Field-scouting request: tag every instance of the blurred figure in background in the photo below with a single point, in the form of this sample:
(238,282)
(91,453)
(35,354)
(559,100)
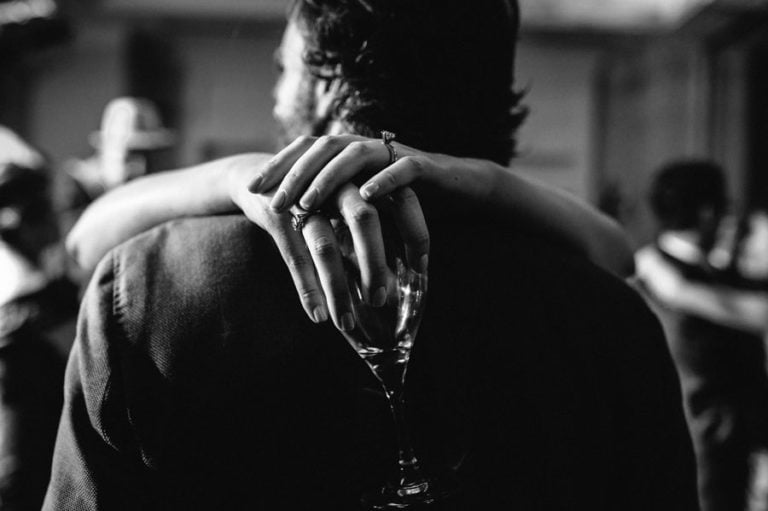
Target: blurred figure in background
(132,142)
(37,309)
(131,139)
(703,274)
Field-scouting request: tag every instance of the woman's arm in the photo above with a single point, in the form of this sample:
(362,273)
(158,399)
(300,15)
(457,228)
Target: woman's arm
(151,200)
(207,189)
(310,253)
(546,209)
(562,215)
(310,169)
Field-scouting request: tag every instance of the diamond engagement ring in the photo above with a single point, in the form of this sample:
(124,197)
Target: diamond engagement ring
(387,137)
(299,220)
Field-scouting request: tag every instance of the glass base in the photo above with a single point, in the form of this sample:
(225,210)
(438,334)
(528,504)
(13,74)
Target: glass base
(426,494)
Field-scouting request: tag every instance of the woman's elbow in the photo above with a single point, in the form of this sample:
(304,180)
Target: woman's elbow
(78,250)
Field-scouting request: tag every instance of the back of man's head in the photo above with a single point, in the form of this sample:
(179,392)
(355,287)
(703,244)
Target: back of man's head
(439,73)
(683,191)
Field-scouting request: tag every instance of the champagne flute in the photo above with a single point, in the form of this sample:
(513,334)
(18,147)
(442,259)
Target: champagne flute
(384,337)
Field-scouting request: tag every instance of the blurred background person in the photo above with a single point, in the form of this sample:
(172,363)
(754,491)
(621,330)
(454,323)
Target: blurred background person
(699,273)
(37,309)
(129,144)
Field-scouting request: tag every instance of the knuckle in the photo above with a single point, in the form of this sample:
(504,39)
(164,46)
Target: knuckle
(271,164)
(324,247)
(362,214)
(379,271)
(297,262)
(415,163)
(277,228)
(327,141)
(405,197)
(358,148)
(407,194)
(419,240)
(389,177)
(308,296)
(305,139)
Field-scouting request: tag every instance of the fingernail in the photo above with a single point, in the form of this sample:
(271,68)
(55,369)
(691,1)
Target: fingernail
(423,263)
(278,201)
(369,190)
(308,201)
(347,322)
(256,184)
(320,314)
(380,297)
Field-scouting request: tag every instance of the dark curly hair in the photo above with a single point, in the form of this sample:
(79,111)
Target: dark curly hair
(439,73)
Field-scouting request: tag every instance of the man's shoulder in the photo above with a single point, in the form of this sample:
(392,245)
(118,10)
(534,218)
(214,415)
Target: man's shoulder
(193,272)
(193,251)
(186,237)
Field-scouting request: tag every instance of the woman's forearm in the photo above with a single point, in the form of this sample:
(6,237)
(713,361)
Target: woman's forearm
(542,207)
(474,182)
(565,217)
(152,200)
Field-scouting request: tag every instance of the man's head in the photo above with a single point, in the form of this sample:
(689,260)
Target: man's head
(131,140)
(439,73)
(688,195)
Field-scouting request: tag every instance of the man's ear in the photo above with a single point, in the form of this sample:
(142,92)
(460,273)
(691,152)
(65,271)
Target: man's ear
(326,91)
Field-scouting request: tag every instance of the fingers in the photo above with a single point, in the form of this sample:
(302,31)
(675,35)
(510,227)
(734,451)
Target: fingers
(354,158)
(321,242)
(305,168)
(276,169)
(300,264)
(362,219)
(403,172)
(409,220)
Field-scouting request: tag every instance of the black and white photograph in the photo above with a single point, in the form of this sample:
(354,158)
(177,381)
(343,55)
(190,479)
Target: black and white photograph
(357,255)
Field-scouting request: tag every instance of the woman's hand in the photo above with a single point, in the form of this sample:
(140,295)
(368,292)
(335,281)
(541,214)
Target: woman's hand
(310,169)
(312,254)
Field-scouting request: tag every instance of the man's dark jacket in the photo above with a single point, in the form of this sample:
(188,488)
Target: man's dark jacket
(197,382)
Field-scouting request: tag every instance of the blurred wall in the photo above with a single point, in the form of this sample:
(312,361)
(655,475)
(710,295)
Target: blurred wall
(654,108)
(556,142)
(71,86)
(225,86)
(227,97)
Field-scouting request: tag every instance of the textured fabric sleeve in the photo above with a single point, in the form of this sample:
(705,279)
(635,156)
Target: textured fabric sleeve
(94,464)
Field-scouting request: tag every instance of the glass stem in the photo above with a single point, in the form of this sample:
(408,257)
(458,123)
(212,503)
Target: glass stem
(410,473)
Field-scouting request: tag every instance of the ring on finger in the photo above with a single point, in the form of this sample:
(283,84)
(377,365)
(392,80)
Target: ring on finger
(387,137)
(299,220)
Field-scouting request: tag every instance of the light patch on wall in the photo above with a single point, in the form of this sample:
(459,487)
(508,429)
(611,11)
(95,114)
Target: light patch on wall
(22,11)
(606,14)
(241,9)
